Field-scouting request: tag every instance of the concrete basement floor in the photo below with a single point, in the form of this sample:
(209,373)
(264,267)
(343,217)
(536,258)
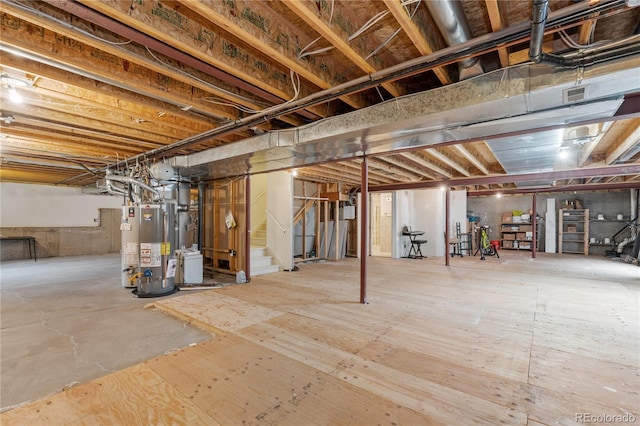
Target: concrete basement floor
(67,320)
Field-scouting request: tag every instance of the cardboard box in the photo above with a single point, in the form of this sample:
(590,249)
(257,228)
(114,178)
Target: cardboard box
(525,245)
(507,244)
(525,217)
(572,228)
(521,236)
(516,219)
(528,236)
(526,228)
(509,236)
(507,218)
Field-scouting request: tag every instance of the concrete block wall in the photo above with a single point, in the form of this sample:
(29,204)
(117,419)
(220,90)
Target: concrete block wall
(66,241)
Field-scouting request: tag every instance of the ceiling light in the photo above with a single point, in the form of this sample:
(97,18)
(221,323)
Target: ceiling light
(294,173)
(563,152)
(14,96)
(12,81)
(498,195)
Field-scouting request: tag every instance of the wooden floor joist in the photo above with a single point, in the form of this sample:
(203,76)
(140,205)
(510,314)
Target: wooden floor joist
(514,341)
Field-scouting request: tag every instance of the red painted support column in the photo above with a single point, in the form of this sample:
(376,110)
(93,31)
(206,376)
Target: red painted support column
(364,230)
(447,212)
(247,234)
(534,224)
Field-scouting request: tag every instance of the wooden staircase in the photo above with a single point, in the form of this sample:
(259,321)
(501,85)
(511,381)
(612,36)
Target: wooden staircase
(261,262)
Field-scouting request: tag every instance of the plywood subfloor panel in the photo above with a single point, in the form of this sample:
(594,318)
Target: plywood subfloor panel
(511,341)
(134,396)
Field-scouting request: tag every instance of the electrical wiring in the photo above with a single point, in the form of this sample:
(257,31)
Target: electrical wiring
(295,81)
(370,23)
(218,101)
(216,88)
(388,40)
(570,43)
(304,52)
(377,49)
(169,66)
(113,43)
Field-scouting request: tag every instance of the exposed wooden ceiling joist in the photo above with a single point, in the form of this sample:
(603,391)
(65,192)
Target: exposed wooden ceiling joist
(495,17)
(417,38)
(114,79)
(310,17)
(629,139)
(472,158)
(176,30)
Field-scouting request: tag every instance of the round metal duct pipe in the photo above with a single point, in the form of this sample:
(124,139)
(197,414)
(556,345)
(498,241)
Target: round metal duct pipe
(452,23)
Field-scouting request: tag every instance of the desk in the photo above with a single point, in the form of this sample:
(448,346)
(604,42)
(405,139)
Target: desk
(29,240)
(415,244)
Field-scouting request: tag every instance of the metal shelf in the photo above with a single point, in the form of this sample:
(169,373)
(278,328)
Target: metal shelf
(579,220)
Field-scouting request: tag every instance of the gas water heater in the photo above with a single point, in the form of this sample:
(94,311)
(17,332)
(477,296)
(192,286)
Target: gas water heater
(155,223)
(156,262)
(129,249)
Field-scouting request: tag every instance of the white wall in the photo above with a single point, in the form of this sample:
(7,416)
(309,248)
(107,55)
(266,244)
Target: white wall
(26,205)
(280,208)
(258,200)
(403,216)
(424,210)
(429,205)
(458,212)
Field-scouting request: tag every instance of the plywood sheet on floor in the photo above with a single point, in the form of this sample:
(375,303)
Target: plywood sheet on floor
(134,396)
(484,342)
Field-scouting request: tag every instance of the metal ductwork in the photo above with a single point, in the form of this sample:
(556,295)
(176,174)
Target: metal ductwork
(258,149)
(496,104)
(452,23)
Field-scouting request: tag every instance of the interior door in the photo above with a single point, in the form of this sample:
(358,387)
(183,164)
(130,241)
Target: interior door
(380,223)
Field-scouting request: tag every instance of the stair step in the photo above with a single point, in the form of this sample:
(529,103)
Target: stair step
(257,251)
(257,241)
(260,261)
(264,270)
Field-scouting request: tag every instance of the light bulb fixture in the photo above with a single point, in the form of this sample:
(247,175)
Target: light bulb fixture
(7,119)
(14,96)
(499,195)
(294,173)
(11,82)
(563,152)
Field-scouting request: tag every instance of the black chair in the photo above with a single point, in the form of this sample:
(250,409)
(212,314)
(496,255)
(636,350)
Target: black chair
(414,251)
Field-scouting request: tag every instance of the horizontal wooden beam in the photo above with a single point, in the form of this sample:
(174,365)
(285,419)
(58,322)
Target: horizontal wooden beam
(177,30)
(82,59)
(621,170)
(310,17)
(257,26)
(78,86)
(419,40)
